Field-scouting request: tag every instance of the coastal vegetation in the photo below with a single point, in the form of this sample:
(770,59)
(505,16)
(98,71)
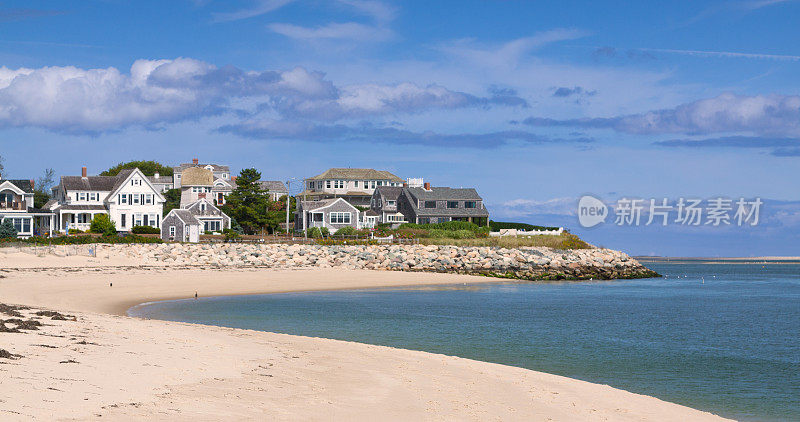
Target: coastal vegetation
(83,239)
(498,225)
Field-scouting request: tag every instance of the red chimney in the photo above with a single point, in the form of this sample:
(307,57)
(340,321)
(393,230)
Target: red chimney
(195,161)
(33,184)
(83,171)
(427,186)
(201,195)
(405,185)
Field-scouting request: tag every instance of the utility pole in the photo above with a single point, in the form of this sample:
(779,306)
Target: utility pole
(288,199)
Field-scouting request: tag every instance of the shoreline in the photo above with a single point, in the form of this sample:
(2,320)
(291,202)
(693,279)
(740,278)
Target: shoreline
(287,377)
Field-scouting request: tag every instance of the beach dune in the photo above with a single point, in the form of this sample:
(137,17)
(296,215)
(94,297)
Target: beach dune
(105,365)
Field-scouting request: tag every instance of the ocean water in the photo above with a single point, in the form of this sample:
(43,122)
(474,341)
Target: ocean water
(718,337)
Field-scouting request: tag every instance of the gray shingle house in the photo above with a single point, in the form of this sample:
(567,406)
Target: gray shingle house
(333,213)
(384,205)
(275,189)
(430,205)
(188,223)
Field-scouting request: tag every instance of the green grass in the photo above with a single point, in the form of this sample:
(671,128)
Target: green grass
(563,241)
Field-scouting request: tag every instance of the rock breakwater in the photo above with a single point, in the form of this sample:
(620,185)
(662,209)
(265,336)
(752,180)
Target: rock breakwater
(522,264)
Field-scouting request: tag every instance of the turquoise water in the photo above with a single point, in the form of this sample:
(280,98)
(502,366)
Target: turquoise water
(722,338)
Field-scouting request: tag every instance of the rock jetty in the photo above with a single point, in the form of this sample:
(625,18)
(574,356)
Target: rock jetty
(521,264)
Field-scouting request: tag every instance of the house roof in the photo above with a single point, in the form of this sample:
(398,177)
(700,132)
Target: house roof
(161,180)
(443,194)
(82,208)
(389,192)
(184,166)
(313,205)
(93,183)
(272,185)
(23,185)
(197,176)
(356,174)
(185,215)
(211,209)
(122,176)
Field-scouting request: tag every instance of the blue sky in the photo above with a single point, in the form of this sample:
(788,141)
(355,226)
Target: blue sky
(533,103)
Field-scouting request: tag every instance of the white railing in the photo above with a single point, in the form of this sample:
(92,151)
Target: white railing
(524,233)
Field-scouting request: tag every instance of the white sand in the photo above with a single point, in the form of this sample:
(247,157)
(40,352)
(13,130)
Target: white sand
(144,369)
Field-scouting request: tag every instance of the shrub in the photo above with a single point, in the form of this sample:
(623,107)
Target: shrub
(346,231)
(497,225)
(7,230)
(313,232)
(76,231)
(438,234)
(447,225)
(462,234)
(324,231)
(145,230)
(101,223)
(230,234)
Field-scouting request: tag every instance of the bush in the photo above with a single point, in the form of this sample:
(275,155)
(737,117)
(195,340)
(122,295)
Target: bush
(101,223)
(230,234)
(324,231)
(7,230)
(313,233)
(462,234)
(76,231)
(497,225)
(448,225)
(346,231)
(87,239)
(145,230)
(438,234)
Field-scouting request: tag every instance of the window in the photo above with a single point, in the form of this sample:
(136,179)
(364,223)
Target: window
(203,207)
(136,182)
(179,176)
(137,219)
(211,225)
(84,218)
(470,204)
(225,176)
(21,225)
(340,218)
(356,183)
(338,184)
(122,220)
(366,184)
(424,221)
(148,199)
(82,196)
(430,204)
(380,182)
(136,201)
(391,203)
(153,220)
(172,231)
(327,184)
(394,218)
(452,204)
(372,184)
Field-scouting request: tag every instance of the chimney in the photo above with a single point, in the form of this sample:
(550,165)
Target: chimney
(83,171)
(427,186)
(156,175)
(195,161)
(33,184)
(201,195)
(405,185)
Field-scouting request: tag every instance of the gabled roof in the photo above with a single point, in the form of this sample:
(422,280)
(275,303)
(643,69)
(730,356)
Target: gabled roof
(389,192)
(444,194)
(356,174)
(211,209)
(93,183)
(197,176)
(184,215)
(322,203)
(23,185)
(122,179)
(160,180)
(184,166)
(272,185)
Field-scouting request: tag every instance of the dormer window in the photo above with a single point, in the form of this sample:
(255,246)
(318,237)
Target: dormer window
(225,176)
(203,206)
(391,203)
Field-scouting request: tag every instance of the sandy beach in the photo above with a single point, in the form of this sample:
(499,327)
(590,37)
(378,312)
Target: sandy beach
(104,364)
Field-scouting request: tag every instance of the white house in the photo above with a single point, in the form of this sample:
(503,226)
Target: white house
(333,213)
(129,198)
(353,184)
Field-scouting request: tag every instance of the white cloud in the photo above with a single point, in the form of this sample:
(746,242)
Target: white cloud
(510,53)
(260,8)
(155,92)
(728,113)
(334,31)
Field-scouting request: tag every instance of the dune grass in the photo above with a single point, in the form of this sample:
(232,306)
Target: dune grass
(563,241)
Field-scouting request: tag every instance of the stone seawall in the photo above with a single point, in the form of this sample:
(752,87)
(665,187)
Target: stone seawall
(522,264)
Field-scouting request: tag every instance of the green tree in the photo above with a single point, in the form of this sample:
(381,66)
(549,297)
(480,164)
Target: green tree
(173,197)
(41,193)
(7,230)
(248,202)
(101,223)
(276,216)
(149,168)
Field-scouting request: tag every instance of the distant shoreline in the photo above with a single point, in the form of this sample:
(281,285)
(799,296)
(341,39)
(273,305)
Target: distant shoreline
(712,260)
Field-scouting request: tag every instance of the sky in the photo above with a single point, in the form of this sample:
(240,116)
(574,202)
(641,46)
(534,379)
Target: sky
(535,104)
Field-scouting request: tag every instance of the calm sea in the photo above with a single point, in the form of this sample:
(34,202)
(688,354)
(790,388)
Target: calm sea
(719,337)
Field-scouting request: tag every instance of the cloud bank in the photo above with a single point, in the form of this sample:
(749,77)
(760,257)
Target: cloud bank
(157,92)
